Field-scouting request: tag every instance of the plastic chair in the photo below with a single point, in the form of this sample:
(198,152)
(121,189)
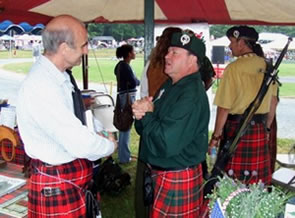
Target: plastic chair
(285,175)
(103,110)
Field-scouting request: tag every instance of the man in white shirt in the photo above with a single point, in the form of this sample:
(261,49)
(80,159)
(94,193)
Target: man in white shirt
(60,146)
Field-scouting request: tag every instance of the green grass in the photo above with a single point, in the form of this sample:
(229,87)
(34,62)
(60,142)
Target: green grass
(99,69)
(287,69)
(287,90)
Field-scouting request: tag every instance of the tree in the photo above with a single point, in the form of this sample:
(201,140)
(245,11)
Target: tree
(118,31)
(220,30)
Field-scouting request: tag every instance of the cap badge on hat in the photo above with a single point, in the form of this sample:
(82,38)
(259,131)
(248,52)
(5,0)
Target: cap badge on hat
(236,34)
(185,39)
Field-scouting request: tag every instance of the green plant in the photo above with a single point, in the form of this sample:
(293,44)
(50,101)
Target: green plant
(254,201)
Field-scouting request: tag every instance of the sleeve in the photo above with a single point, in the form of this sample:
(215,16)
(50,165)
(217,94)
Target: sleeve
(226,93)
(144,88)
(52,116)
(129,76)
(167,136)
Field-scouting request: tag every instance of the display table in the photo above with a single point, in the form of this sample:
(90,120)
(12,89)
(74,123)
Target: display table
(15,203)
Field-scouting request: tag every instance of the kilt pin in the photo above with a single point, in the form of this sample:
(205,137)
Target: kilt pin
(169,185)
(251,160)
(59,188)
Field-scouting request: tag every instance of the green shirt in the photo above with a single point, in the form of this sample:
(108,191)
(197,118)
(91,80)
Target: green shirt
(175,135)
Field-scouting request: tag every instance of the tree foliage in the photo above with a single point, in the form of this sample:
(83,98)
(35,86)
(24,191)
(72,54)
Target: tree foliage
(118,31)
(125,31)
(219,30)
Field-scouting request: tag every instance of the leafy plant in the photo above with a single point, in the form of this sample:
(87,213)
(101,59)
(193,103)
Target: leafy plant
(254,201)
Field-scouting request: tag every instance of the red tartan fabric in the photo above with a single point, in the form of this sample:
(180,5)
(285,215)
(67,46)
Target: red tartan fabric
(19,152)
(20,155)
(71,203)
(177,193)
(251,160)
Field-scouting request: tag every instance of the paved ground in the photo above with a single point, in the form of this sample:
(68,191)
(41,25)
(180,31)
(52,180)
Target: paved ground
(9,83)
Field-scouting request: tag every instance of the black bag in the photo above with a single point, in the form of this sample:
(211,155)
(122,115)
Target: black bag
(123,117)
(148,189)
(92,204)
(110,178)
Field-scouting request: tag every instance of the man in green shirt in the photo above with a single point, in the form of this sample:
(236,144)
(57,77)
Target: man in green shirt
(174,131)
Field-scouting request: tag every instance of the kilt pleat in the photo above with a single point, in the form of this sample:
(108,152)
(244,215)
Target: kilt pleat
(70,179)
(251,160)
(177,193)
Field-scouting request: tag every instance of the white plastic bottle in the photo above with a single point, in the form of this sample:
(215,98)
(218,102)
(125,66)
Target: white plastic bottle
(213,155)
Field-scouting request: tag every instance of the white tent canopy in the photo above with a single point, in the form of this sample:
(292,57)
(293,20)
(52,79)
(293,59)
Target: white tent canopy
(6,37)
(279,44)
(272,36)
(223,41)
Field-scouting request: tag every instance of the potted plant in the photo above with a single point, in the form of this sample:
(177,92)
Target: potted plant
(233,199)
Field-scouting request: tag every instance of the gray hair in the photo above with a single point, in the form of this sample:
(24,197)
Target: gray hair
(53,38)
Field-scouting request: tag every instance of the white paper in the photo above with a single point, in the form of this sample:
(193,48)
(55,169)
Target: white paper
(290,211)
(8,117)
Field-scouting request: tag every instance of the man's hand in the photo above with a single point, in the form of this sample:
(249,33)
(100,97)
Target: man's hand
(140,107)
(110,136)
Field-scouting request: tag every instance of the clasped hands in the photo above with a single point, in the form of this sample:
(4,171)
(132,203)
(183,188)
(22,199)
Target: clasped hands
(142,106)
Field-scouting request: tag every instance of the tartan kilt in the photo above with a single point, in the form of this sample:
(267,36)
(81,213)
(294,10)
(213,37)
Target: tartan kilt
(71,201)
(177,193)
(251,160)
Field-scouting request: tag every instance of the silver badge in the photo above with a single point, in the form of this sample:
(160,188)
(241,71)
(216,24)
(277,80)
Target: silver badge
(236,34)
(185,39)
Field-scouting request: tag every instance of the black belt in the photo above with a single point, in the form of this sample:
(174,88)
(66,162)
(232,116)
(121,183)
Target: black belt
(257,118)
(171,168)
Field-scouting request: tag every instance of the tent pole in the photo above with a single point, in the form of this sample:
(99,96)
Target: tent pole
(85,71)
(85,68)
(149,15)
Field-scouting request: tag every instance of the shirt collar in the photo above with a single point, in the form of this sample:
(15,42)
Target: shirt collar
(252,54)
(60,77)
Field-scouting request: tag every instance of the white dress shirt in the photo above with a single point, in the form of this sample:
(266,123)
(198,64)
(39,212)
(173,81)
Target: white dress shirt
(48,126)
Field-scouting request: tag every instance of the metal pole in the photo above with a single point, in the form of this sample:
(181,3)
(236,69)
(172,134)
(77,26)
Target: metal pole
(85,68)
(149,15)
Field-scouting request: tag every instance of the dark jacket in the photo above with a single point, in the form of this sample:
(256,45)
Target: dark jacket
(126,79)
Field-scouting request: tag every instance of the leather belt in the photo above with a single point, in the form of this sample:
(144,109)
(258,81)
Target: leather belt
(257,118)
(171,168)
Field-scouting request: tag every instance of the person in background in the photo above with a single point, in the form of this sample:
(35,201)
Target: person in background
(154,76)
(173,129)
(61,147)
(239,86)
(207,75)
(126,85)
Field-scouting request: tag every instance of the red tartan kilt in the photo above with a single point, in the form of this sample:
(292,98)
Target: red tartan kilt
(71,202)
(251,160)
(177,193)
(19,152)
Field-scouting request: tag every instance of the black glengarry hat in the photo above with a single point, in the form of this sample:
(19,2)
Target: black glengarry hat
(189,42)
(242,32)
